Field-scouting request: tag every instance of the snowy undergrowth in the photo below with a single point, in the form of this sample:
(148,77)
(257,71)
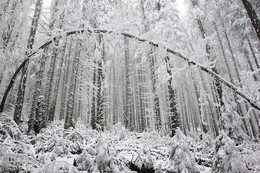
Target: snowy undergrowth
(119,150)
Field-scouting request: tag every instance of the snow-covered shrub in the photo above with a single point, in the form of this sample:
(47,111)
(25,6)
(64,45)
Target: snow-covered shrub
(9,128)
(203,149)
(227,158)
(182,158)
(85,162)
(253,161)
(233,126)
(59,167)
(14,163)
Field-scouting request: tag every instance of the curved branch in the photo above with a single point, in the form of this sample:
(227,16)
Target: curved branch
(103,31)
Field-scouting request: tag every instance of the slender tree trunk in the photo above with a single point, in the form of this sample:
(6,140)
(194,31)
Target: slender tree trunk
(10,26)
(70,101)
(128,112)
(100,91)
(156,103)
(253,17)
(253,53)
(56,87)
(174,124)
(65,83)
(37,92)
(21,90)
(93,107)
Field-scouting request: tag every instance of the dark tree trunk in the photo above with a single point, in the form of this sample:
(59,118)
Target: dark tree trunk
(175,123)
(21,91)
(70,101)
(156,103)
(93,107)
(65,84)
(253,17)
(37,91)
(57,84)
(128,112)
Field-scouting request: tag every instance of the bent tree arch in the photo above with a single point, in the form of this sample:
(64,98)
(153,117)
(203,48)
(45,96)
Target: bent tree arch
(237,90)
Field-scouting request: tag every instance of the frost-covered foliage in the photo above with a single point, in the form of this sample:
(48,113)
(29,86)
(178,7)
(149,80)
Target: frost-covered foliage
(234,127)
(55,149)
(227,157)
(183,159)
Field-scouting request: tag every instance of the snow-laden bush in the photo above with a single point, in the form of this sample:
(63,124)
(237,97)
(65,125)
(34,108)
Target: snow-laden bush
(85,162)
(182,158)
(253,161)
(233,126)
(59,167)
(227,158)
(8,128)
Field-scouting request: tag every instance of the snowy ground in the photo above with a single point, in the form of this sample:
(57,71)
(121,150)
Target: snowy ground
(119,150)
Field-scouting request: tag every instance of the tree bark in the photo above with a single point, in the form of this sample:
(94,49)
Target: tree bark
(128,112)
(21,91)
(70,101)
(253,17)
(57,84)
(175,123)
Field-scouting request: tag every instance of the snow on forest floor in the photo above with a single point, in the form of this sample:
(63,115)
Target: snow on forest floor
(118,150)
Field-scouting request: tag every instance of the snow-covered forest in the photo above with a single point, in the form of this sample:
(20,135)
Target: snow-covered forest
(130,86)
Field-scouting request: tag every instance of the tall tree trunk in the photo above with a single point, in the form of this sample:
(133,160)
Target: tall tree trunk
(10,26)
(175,123)
(65,82)
(156,103)
(128,112)
(37,92)
(70,101)
(56,87)
(21,90)
(100,86)
(93,107)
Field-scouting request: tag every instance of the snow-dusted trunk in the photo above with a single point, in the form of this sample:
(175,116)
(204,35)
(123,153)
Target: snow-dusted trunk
(56,87)
(71,95)
(128,110)
(21,90)
(253,17)
(100,86)
(10,26)
(174,117)
(80,91)
(156,103)
(141,99)
(253,54)
(93,107)
(37,91)
(65,82)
